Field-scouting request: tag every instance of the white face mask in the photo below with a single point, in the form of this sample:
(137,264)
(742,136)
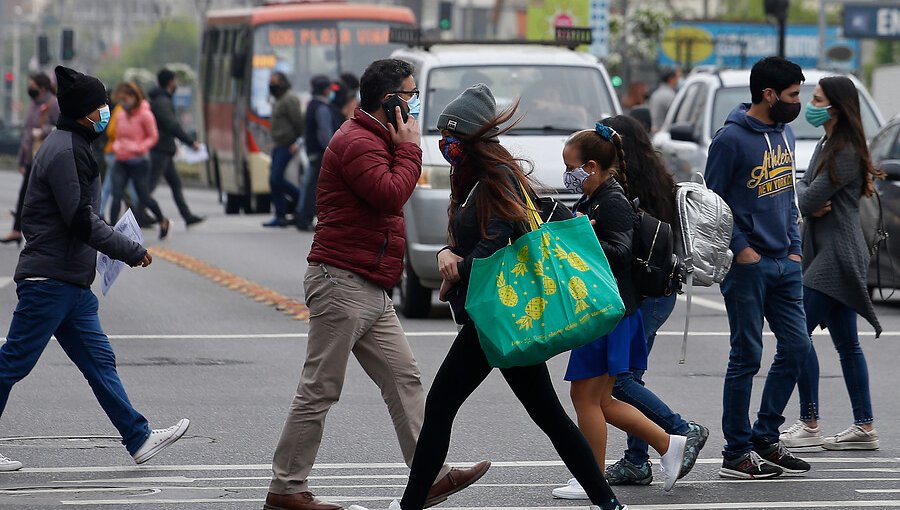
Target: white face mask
(574,179)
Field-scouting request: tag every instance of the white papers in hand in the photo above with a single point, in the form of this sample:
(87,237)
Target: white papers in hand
(108,268)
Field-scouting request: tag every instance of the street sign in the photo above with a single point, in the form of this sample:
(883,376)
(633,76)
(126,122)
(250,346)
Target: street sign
(872,21)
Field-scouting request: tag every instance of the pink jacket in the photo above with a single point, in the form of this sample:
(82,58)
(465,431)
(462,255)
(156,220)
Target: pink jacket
(136,132)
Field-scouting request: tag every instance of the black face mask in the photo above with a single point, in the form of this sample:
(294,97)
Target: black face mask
(784,113)
(33,93)
(275,90)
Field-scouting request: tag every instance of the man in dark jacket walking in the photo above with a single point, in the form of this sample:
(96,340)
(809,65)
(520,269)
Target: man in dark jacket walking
(287,127)
(57,265)
(369,171)
(169,129)
(320,126)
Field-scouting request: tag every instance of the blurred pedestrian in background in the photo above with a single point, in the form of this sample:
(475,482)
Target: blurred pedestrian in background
(287,127)
(43,113)
(321,123)
(661,98)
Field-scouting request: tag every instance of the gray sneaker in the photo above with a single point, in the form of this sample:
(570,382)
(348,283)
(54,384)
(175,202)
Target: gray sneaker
(624,472)
(696,440)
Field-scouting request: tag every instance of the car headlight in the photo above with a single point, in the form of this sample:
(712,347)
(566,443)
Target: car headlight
(434,177)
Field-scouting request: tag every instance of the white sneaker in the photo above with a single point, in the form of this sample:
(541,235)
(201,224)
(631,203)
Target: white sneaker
(572,490)
(395,505)
(801,435)
(159,439)
(671,461)
(620,507)
(9,464)
(854,438)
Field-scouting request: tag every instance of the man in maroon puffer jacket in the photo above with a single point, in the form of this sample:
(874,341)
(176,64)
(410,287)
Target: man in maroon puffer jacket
(369,171)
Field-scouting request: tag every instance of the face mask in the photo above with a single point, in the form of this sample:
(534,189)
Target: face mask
(275,90)
(452,150)
(415,107)
(679,84)
(34,93)
(784,113)
(128,105)
(817,115)
(100,125)
(574,179)
(332,96)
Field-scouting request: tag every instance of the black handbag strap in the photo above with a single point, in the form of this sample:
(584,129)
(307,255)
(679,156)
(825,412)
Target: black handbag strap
(881,237)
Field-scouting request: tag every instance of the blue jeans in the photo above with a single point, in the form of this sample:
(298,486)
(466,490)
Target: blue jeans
(840,320)
(280,187)
(106,190)
(629,387)
(306,209)
(771,289)
(52,307)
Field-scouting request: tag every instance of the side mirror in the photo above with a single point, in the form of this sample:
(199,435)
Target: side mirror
(238,65)
(891,167)
(682,132)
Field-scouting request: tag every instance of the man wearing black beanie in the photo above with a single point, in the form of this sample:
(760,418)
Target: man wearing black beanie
(56,268)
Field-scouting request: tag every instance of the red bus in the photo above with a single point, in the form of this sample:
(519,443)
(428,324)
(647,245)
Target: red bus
(243,47)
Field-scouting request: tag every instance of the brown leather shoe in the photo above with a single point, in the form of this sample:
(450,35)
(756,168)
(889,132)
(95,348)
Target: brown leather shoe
(300,501)
(456,480)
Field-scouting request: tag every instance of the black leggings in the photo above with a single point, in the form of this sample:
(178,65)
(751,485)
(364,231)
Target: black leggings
(462,371)
(139,173)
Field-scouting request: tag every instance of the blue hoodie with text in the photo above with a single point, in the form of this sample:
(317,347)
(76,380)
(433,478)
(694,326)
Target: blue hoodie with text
(750,167)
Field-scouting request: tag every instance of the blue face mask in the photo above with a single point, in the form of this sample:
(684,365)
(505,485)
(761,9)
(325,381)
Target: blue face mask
(574,179)
(415,107)
(817,115)
(100,125)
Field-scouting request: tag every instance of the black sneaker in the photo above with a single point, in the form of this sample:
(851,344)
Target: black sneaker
(626,473)
(748,466)
(696,440)
(777,455)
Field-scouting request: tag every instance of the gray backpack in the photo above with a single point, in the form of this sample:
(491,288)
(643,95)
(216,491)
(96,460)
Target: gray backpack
(702,239)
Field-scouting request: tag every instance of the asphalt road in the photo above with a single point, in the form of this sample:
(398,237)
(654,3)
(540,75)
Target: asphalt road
(190,347)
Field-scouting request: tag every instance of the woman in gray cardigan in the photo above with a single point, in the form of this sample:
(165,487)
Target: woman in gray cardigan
(835,262)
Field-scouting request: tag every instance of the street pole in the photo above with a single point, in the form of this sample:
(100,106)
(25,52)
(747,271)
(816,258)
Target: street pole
(17,67)
(822,28)
(782,29)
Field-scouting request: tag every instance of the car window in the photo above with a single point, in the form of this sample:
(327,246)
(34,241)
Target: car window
(559,99)
(728,98)
(687,104)
(884,145)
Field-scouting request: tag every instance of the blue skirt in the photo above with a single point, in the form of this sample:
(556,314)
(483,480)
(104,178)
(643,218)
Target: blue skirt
(621,351)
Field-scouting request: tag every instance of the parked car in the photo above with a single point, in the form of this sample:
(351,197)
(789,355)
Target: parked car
(561,91)
(10,140)
(885,151)
(708,96)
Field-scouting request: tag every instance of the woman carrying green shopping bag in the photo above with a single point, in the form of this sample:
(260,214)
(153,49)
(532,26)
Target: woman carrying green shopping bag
(487,211)
(593,158)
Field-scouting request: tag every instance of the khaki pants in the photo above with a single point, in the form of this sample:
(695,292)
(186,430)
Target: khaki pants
(347,314)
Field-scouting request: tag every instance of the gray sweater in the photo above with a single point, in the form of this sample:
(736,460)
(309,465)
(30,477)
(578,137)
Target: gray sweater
(835,254)
(59,218)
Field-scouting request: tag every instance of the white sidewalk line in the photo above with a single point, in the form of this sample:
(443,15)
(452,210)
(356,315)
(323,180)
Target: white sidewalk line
(705,303)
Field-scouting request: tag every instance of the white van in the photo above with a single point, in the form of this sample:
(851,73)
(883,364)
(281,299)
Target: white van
(561,91)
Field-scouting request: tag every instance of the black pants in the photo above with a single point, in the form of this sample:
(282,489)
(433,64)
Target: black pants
(163,166)
(139,172)
(462,371)
(17,221)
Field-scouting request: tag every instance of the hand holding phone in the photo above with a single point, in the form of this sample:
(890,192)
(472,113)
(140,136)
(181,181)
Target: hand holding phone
(402,127)
(390,107)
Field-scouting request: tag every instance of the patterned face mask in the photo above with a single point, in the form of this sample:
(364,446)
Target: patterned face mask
(574,179)
(452,150)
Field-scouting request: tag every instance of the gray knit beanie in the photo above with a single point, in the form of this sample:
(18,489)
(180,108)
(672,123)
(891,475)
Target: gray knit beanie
(470,111)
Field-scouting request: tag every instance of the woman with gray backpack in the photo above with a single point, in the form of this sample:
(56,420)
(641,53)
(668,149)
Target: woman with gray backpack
(835,263)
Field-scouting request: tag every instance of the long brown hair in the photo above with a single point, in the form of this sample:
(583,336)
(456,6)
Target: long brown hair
(608,153)
(848,131)
(490,164)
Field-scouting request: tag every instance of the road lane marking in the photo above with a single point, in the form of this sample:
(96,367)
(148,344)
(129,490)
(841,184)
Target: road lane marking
(765,505)
(705,303)
(259,293)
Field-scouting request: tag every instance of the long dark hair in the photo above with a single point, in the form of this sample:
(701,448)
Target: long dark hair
(648,179)
(848,131)
(489,164)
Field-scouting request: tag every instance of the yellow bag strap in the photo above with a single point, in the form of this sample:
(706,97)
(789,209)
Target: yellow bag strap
(534,218)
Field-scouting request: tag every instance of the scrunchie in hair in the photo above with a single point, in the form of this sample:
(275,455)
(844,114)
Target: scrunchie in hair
(604,131)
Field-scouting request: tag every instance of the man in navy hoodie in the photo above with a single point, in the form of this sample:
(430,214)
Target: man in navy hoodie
(751,166)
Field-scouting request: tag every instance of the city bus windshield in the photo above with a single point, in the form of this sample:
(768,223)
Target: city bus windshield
(305,49)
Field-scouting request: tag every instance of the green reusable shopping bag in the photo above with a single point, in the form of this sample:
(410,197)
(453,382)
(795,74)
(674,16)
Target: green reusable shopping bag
(548,292)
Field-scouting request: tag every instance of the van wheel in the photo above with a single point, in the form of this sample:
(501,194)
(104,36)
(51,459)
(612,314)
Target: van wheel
(415,300)
(233,203)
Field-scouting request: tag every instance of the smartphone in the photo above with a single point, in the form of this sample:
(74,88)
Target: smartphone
(390,105)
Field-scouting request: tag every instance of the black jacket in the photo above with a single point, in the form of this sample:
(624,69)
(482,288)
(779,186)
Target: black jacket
(615,219)
(166,123)
(59,218)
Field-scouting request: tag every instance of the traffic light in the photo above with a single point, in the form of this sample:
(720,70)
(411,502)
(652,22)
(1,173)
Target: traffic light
(43,50)
(67,49)
(616,81)
(445,15)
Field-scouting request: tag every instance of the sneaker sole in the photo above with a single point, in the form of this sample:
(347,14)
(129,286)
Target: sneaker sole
(852,445)
(787,471)
(161,446)
(443,497)
(12,466)
(803,442)
(561,494)
(631,481)
(740,475)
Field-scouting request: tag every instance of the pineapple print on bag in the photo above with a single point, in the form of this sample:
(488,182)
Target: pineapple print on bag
(574,260)
(547,282)
(579,291)
(522,257)
(545,246)
(506,292)
(534,310)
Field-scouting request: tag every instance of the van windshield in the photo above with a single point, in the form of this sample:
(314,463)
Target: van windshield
(554,99)
(728,98)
